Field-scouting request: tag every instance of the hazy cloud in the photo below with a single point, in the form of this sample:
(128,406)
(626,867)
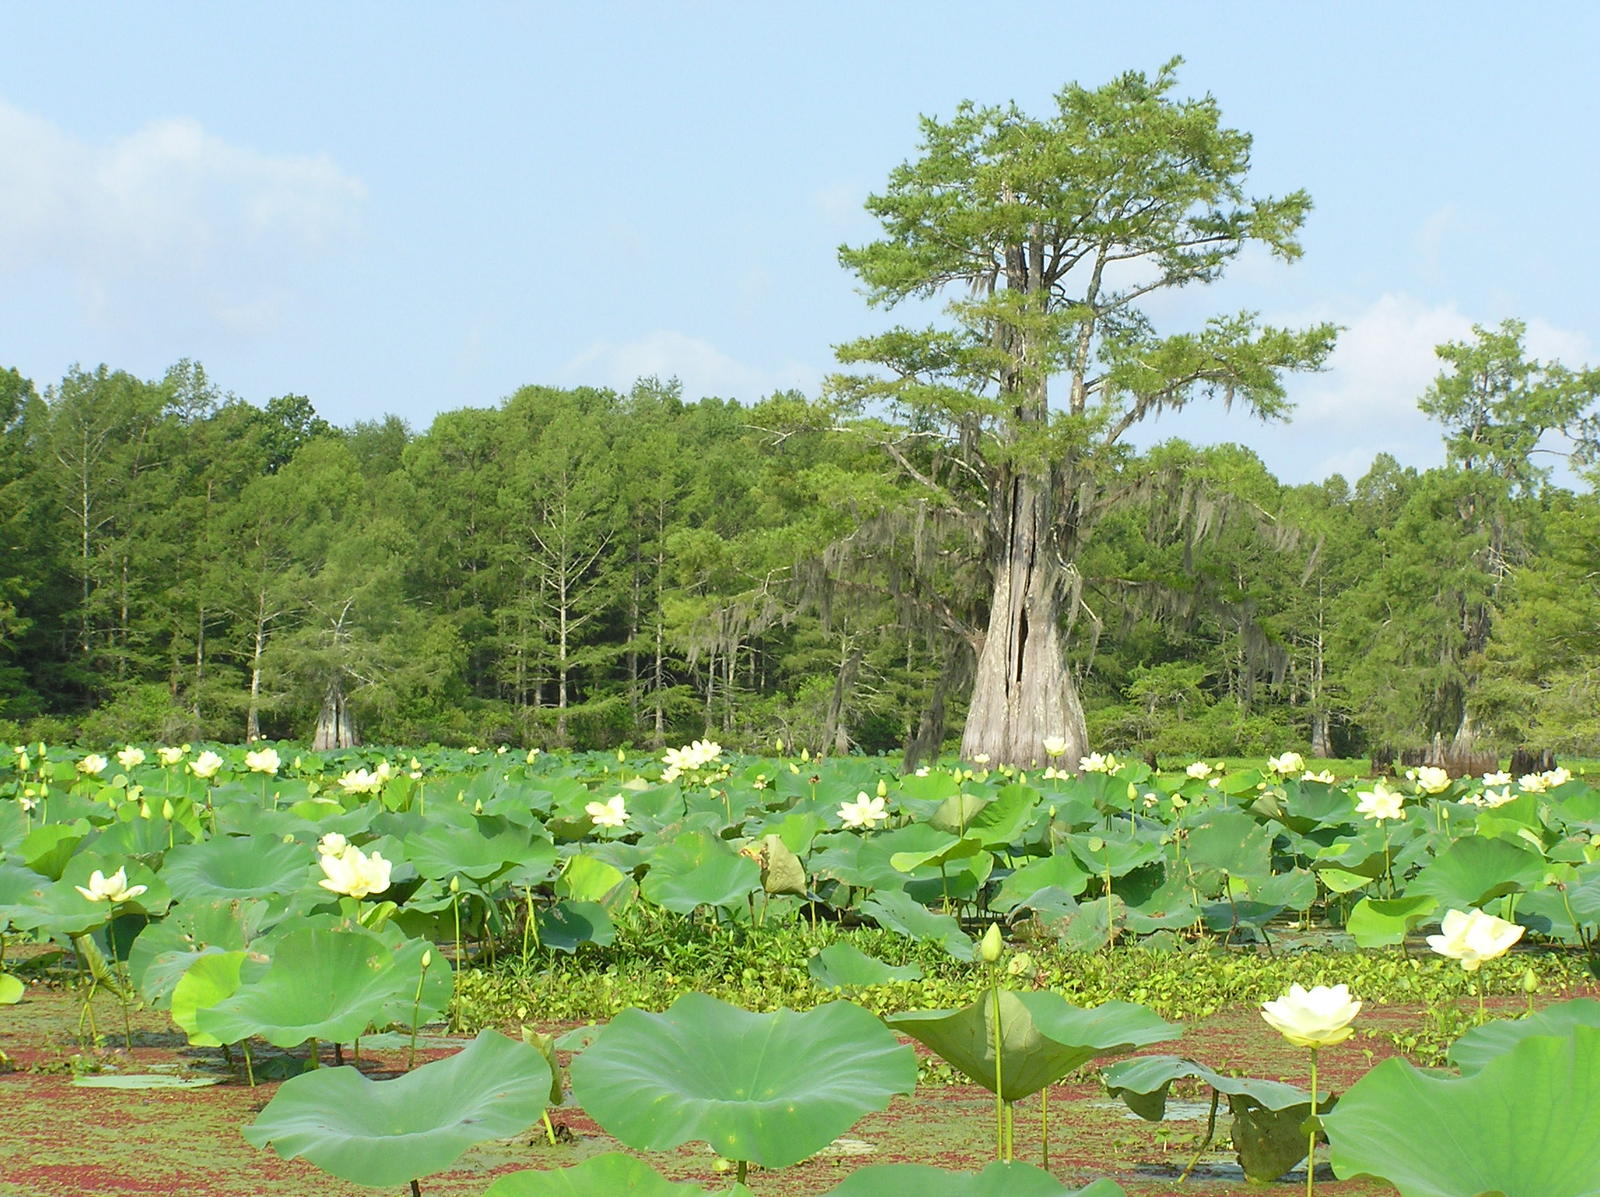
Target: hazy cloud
(701,367)
(171,208)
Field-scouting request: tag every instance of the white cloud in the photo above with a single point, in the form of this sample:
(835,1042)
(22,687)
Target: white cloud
(703,369)
(167,209)
(839,203)
(1384,360)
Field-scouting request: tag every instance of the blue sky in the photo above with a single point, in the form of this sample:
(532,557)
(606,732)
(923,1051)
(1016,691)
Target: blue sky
(409,208)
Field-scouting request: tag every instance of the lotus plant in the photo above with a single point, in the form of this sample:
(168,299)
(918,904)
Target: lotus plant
(1471,937)
(1314,1019)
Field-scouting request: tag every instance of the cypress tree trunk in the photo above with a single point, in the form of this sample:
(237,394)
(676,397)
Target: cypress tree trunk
(1023,692)
(336,727)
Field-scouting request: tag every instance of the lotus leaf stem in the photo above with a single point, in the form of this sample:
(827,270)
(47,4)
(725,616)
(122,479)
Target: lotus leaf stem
(1315,1122)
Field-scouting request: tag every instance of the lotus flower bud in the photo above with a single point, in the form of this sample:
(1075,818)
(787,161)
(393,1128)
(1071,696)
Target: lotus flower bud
(989,948)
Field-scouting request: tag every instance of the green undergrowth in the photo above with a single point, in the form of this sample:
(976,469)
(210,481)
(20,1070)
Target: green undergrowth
(654,961)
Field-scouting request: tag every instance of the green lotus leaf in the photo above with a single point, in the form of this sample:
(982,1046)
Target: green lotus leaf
(586,878)
(1523,1125)
(331,985)
(1269,1142)
(236,866)
(1379,922)
(782,871)
(1473,870)
(845,966)
(11,989)
(948,849)
(897,911)
(698,869)
(1230,841)
(1004,820)
(145,1080)
(385,1133)
(566,926)
(480,851)
(768,1088)
(1060,872)
(210,978)
(956,813)
(611,1173)
(1042,1037)
(47,849)
(1113,850)
(997,1180)
(1145,1082)
(1482,1044)
(165,950)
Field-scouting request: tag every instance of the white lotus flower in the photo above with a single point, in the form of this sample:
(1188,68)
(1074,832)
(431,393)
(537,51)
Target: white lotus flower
(360,781)
(332,844)
(1497,779)
(1556,777)
(93,764)
(613,812)
(1286,765)
(169,755)
(1471,936)
(1313,1018)
(264,760)
(1098,763)
(1198,770)
(113,889)
(1055,745)
(354,873)
(206,764)
(1432,780)
(130,756)
(1380,803)
(866,811)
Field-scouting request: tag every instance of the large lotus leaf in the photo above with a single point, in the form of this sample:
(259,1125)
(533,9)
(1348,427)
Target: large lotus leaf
(1379,922)
(845,966)
(897,911)
(782,872)
(1482,1044)
(1090,925)
(1144,1083)
(1114,851)
(1004,820)
(997,1180)
(1524,1125)
(697,869)
(331,985)
(1269,1142)
(1231,842)
(385,1133)
(1042,1037)
(949,848)
(440,852)
(165,950)
(1471,871)
(232,866)
(566,926)
(611,1173)
(955,813)
(1313,804)
(1059,872)
(210,978)
(588,879)
(769,1088)
(47,849)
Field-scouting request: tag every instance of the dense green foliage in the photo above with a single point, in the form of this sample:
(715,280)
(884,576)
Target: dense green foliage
(595,569)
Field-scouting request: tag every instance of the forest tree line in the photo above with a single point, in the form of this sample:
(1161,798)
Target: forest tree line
(588,568)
